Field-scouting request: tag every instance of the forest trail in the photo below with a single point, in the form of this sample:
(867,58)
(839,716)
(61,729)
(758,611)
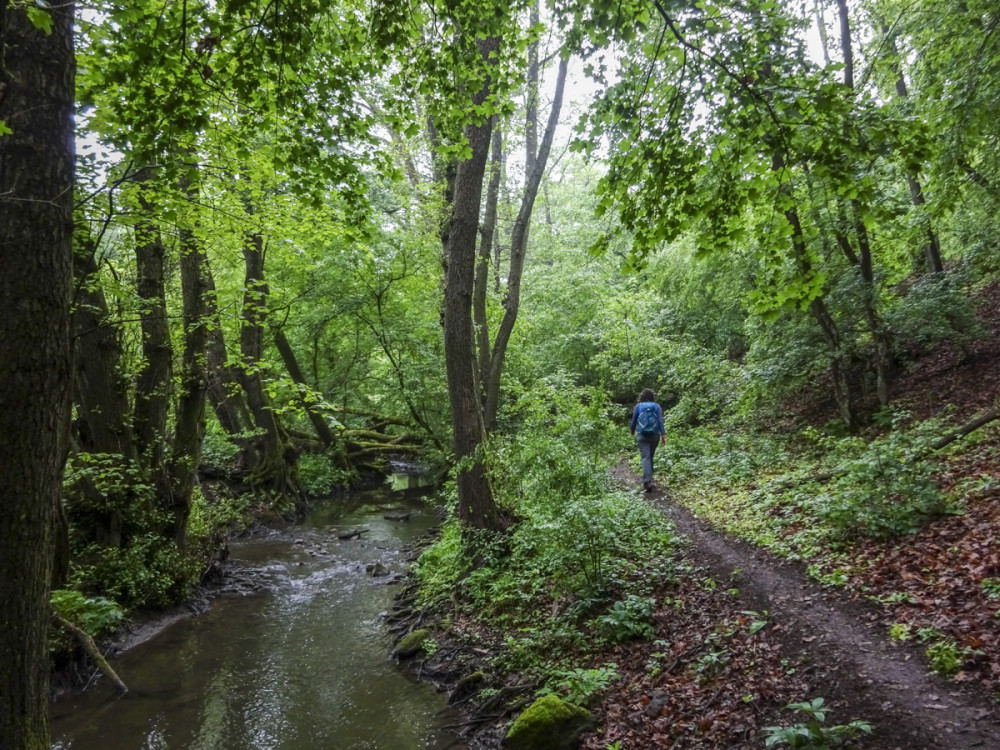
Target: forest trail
(861,671)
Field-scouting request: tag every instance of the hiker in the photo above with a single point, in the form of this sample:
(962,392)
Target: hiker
(647,426)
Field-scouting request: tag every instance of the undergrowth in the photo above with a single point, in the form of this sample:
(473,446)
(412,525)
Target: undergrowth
(589,556)
(817,493)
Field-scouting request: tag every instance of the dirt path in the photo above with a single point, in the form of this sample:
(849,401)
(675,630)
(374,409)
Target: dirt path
(861,669)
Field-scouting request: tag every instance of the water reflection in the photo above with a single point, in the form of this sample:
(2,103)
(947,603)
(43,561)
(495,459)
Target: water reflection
(302,667)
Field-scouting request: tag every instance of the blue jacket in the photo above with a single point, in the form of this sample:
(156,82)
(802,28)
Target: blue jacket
(659,416)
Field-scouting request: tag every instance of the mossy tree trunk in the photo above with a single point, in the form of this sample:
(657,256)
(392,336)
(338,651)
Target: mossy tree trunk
(153,384)
(476,506)
(225,394)
(102,425)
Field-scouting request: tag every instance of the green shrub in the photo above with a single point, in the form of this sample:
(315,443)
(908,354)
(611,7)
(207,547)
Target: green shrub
(578,545)
(935,309)
(214,516)
(627,619)
(218,450)
(96,615)
(320,475)
(812,734)
(580,686)
(148,572)
(946,657)
(886,487)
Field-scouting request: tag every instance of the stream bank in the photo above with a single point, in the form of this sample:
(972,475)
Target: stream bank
(291,654)
(737,637)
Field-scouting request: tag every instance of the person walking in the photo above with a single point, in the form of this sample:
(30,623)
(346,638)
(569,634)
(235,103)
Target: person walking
(647,426)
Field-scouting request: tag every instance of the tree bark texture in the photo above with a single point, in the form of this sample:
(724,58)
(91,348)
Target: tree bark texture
(100,394)
(477,508)
(224,392)
(531,105)
(36,228)
(152,388)
(275,469)
(487,232)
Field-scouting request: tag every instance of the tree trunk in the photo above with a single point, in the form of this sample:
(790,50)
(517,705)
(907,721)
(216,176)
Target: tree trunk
(932,248)
(275,470)
(476,506)
(518,249)
(817,307)
(224,392)
(319,424)
(36,227)
(531,104)
(880,335)
(486,234)
(189,427)
(152,388)
(102,424)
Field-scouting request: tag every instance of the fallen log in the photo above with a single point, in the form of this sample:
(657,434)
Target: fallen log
(376,437)
(975,424)
(95,653)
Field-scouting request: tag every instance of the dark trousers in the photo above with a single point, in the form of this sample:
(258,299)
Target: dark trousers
(647,448)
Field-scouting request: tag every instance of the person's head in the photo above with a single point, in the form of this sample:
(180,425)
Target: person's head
(646,395)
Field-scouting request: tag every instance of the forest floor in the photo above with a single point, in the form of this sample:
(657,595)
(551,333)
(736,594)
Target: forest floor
(833,641)
(813,641)
(741,633)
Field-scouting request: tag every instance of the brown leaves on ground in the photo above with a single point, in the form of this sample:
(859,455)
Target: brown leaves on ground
(941,578)
(712,679)
(935,578)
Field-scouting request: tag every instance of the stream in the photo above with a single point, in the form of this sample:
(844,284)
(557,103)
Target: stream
(303,664)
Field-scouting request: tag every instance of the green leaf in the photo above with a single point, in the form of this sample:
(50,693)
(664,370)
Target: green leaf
(4,129)
(40,18)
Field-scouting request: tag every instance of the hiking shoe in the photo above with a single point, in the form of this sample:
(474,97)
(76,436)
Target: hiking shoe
(648,486)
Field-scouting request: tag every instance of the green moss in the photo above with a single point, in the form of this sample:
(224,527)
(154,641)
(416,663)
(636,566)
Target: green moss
(412,644)
(549,723)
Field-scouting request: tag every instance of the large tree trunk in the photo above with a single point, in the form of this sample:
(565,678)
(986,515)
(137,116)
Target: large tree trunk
(518,249)
(36,227)
(189,425)
(102,424)
(152,388)
(476,506)
(275,469)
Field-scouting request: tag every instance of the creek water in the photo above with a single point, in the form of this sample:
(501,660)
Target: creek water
(303,664)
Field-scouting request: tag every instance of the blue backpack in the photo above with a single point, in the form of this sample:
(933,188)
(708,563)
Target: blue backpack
(646,423)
